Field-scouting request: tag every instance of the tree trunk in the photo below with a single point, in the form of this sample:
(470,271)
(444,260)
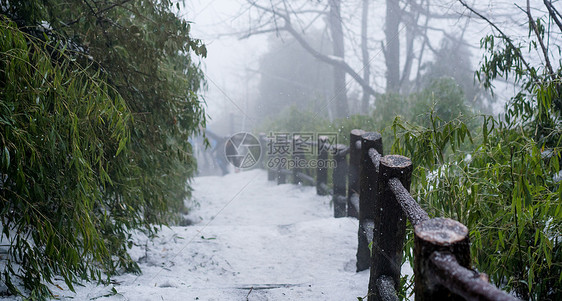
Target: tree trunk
(340,90)
(392,49)
(365,56)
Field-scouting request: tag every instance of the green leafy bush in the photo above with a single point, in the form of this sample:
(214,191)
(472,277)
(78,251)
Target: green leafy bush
(504,189)
(505,184)
(64,131)
(295,120)
(97,104)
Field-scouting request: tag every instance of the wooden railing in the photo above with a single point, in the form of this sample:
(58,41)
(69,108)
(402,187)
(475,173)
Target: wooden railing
(375,189)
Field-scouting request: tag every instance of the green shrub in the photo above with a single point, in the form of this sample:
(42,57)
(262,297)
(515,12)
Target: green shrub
(504,189)
(64,131)
(97,104)
(295,120)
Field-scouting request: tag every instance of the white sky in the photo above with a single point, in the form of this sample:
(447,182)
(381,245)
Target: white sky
(231,85)
(228,58)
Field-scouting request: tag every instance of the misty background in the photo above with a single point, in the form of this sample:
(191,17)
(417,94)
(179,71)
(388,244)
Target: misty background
(334,59)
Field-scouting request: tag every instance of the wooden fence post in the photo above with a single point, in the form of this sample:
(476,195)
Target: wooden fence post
(263,148)
(389,223)
(270,164)
(442,235)
(281,177)
(321,167)
(353,173)
(297,157)
(339,179)
(367,195)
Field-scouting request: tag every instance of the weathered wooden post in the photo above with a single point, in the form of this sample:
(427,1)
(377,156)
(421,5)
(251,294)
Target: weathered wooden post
(321,166)
(263,150)
(270,165)
(281,177)
(268,156)
(442,265)
(367,195)
(297,157)
(339,178)
(280,147)
(389,223)
(444,236)
(353,172)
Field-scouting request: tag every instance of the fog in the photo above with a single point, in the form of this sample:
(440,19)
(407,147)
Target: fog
(257,69)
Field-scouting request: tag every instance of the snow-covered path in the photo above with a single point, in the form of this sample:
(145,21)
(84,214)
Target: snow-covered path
(251,240)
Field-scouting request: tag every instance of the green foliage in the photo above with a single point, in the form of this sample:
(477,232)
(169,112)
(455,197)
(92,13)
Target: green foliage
(390,105)
(443,97)
(453,60)
(504,185)
(440,102)
(295,120)
(504,190)
(144,50)
(344,126)
(62,131)
(98,101)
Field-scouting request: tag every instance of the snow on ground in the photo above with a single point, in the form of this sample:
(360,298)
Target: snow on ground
(251,240)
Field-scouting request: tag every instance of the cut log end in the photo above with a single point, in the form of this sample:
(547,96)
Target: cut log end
(441,231)
(438,236)
(396,161)
(357,132)
(371,136)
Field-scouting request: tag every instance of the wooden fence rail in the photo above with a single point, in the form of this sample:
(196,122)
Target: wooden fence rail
(375,189)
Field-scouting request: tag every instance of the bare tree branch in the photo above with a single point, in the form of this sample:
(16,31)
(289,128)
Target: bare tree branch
(424,43)
(330,60)
(426,27)
(256,32)
(541,42)
(553,13)
(411,24)
(504,36)
(426,12)
(337,62)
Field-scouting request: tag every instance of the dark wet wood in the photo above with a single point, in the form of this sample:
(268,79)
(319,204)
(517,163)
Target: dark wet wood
(385,287)
(466,283)
(367,227)
(368,177)
(268,158)
(297,157)
(390,223)
(321,170)
(353,201)
(437,235)
(410,207)
(375,158)
(340,181)
(354,168)
(281,174)
(306,179)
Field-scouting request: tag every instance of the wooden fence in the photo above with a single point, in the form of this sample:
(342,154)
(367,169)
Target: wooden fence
(375,189)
